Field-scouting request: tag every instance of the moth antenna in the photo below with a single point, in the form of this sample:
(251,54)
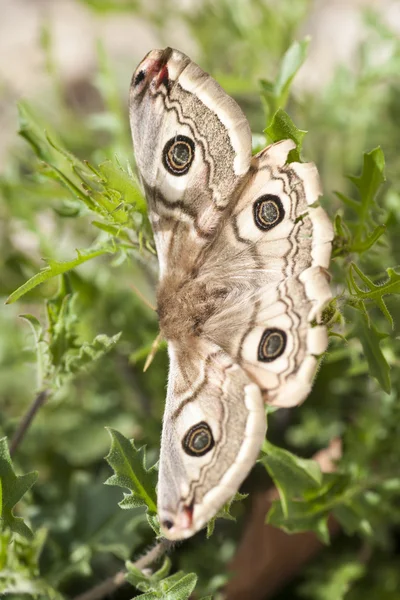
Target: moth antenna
(152,353)
(143,299)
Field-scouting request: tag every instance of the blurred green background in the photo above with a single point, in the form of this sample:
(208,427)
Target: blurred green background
(71,63)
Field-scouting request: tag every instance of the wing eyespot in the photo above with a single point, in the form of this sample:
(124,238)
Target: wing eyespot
(178,155)
(198,440)
(272,345)
(268,212)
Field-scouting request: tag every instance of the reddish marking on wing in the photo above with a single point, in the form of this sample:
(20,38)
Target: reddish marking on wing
(163,76)
(188,510)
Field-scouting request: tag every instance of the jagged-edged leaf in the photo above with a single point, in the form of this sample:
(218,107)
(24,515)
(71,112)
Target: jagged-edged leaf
(374,292)
(175,588)
(178,586)
(129,465)
(109,190)
(370,339)
(224,512)
(154,522)
(55,268)
(89,352)
(283,128)
(371,178)
(13,488)
(41,347)
(19,567)
(368,184)
(145,581)
(293,476)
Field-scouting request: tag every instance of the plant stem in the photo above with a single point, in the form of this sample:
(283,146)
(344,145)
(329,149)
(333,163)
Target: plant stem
(27,420)
(116,581)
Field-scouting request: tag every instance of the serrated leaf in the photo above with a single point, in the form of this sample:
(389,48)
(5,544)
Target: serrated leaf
(283,128)
(55,268)
(224,512)
(370,180)
(375,292)
(370,339)
(13,488)
(42,349)
(367,184)
(293,476)
(130,470)
(181,589)
(154,523)
(178,586)
(89,352)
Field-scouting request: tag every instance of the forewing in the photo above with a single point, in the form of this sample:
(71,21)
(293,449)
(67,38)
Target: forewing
(192,147)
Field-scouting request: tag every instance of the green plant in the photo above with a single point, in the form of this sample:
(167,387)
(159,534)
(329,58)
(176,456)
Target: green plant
(88,357)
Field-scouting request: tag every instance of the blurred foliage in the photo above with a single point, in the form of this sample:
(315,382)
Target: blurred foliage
(87,327)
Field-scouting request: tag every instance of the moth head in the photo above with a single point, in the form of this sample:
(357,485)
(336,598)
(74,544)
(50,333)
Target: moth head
(209,445)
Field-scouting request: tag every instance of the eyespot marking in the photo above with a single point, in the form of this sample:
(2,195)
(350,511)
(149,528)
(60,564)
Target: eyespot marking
(272,345)
(268,211)
(198,440)
(178,155)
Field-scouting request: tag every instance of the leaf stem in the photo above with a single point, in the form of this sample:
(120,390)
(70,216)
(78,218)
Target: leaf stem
(110,585)
(27,419)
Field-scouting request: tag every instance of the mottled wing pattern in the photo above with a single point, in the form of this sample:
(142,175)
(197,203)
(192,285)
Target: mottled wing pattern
(272,255)
(210,396)
(243,249)
(192,146)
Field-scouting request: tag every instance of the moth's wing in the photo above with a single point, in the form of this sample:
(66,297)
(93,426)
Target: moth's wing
(173,101)
(214,426)
(273,255)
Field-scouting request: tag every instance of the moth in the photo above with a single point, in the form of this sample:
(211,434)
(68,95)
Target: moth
(243,249)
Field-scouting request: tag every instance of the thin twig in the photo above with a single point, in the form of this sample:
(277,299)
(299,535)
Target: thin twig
(27,420)
(111,584)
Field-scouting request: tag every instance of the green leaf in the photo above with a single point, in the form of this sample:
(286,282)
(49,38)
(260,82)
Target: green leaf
(89,352)
(370,339)
(292,60)
(333,582)
(42,350)
(283,128)
(19,567)
(375,292)
(178,586)
(129,465)
(224,512)
(55,268)
(367,184)
(276,93)
(179,589)
(311,511)
(370,180)
(292,476)
(13,488)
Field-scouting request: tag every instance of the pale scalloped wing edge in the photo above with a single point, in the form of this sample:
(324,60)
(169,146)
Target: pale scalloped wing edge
(315,278)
